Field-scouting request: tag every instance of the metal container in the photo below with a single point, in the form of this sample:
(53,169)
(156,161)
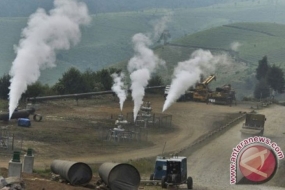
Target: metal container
(119,176)
(76,173)
(24,122)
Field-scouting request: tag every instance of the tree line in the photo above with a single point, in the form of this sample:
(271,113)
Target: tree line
(72,81)
(270,79)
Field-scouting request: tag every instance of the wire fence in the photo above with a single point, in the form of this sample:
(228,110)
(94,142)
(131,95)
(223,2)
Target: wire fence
(130,133)
(9,142)
(135,130)
(154,120)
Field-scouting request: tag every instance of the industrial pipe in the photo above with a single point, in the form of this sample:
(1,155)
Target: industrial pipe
(119,176)
(25,113)
(76,173)
(82,95)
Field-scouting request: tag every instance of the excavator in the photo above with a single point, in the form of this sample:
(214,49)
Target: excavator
(202,91)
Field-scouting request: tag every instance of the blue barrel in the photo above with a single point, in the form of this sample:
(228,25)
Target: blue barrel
(24,122)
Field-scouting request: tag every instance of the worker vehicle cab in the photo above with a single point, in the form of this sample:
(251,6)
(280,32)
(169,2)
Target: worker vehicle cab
(254,125)
(172,172)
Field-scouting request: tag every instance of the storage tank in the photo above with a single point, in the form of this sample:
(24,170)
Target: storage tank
(76,173)
(119,176)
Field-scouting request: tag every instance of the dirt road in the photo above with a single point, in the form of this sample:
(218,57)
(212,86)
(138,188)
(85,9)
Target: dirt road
(210,166)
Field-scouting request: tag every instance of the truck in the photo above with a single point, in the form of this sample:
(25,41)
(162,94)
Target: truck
(171,171)
(223,95)
(254,125)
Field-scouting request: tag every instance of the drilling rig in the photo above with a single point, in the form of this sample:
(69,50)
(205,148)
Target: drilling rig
(202,90)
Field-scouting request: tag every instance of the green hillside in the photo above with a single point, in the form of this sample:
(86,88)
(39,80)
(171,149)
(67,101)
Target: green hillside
(108,39)
(256,39)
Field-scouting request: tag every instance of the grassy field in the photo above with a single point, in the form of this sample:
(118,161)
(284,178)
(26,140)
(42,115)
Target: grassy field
(108,39)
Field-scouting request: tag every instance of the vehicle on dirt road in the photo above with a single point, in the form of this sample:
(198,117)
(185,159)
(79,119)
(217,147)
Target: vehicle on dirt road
(254,125)
(171,172)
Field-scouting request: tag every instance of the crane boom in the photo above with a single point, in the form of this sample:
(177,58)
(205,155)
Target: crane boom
(209,79)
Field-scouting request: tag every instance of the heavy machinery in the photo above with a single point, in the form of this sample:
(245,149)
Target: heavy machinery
(223,95)
(254,125)
(202,91)
(171,172)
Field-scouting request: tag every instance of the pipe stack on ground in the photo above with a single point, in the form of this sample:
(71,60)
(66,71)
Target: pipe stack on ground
(120,176)
(25,113)
(76,173)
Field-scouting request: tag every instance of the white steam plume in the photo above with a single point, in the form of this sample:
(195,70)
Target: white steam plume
(160,25)
(118,88)
(187,73)
(235,46)
(141,66)
(44,34)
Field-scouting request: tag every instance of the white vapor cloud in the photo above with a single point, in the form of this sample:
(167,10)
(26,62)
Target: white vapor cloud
(118,88)
(235,46)
(159,25)
(140,67)
(44,35)
(188,72)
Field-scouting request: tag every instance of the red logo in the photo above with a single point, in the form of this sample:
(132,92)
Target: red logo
(258,163)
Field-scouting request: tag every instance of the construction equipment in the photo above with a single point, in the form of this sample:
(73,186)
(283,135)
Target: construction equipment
(171,172)
(223,95)
(254,125)
(202,91)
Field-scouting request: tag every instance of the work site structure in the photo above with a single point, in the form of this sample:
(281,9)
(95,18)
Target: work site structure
(202,90)
(145,116)
(200,93)
(254,125)
(223,95)
(119,132)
